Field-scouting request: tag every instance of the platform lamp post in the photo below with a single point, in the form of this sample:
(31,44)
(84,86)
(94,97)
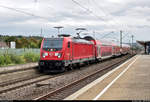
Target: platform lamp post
(121,39)
(58,28)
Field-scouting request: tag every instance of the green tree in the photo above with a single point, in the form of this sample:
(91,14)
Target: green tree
(25,42)
(18,43)
(8,39)
(39,43)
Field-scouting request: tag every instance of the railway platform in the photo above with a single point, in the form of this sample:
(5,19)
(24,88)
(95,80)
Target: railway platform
(129,81)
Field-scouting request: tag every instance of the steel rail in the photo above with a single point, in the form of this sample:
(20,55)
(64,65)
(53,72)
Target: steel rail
(23,85)
(10,82)
(44,97)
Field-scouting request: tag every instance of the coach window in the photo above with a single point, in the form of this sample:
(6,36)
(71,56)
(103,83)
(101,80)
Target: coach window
(68,44)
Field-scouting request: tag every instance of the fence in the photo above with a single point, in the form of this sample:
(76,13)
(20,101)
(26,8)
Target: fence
(18,51)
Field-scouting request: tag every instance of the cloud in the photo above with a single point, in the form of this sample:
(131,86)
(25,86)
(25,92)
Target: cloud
(96,15)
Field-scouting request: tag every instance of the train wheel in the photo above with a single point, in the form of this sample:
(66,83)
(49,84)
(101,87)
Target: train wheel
(70,67)
(86,63)
(64,69)
(97,60)
(78,65)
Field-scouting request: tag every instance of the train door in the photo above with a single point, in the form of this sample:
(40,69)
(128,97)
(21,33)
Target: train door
(69,47)
(98,52)
(113,50)
(148,48)
(71,54)
(71,51)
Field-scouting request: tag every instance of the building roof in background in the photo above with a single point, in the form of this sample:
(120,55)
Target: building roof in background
(3,44)
(143,42)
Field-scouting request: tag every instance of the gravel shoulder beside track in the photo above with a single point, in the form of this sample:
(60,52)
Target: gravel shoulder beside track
(16,75)
(14,68)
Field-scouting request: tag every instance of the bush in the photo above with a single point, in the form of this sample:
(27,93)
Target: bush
(36,58)
(2,60)
(7,59)
(17,59)
(31,57)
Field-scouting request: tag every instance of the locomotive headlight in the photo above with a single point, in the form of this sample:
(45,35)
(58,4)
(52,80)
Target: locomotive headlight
(56,54)
(45,54)
(59,55)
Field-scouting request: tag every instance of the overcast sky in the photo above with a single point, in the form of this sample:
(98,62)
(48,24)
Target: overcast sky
(27,17)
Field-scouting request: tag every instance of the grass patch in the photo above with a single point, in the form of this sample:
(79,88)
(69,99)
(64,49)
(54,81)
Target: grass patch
(11,59)
(31,57)
(17,59)
(2,60)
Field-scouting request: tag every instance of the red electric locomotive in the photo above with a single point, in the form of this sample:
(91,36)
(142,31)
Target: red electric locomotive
(56,54)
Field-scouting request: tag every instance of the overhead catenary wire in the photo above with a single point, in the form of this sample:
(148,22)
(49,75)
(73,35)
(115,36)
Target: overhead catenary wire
(44,18)
(105,13)
(23,12)
(88,10)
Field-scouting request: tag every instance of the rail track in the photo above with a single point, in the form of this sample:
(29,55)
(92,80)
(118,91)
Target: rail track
(23,82)
(57,91)
(10,85)
(15,84)
(18,76)
(13,75)
(10,82)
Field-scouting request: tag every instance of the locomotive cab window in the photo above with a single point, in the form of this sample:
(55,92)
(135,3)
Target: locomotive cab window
(68,44)
(52,44)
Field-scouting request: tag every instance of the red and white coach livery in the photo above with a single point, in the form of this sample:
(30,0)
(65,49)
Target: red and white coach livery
(58,54)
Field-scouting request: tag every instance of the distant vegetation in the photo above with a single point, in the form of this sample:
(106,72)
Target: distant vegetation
(11,59)
(22,41)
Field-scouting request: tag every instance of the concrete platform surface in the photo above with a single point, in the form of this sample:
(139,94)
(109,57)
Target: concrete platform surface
(129,81)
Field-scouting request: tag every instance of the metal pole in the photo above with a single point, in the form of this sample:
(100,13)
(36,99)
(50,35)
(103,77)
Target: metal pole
(132,44)
(145,47)
(41,32)
(121,39)
(94,34)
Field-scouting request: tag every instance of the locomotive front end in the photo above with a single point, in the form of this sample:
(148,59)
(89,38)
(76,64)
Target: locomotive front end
(51,55)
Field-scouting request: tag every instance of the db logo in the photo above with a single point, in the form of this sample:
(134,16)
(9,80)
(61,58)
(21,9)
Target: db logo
(50,54)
